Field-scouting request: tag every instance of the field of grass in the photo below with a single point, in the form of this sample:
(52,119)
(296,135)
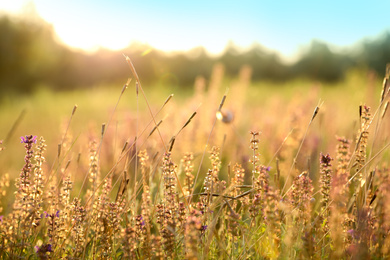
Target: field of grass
(229,169)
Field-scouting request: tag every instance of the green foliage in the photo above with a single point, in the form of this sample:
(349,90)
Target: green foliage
(28,53)
(30,56)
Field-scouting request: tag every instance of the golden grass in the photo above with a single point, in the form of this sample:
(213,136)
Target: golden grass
(230,172)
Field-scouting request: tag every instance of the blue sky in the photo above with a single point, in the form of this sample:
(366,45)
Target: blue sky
(283,26)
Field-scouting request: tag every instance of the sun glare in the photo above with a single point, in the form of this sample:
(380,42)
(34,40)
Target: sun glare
(90,41)
(12,6)
(93,31)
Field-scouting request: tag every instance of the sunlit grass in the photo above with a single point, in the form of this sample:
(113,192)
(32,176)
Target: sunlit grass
(267,178)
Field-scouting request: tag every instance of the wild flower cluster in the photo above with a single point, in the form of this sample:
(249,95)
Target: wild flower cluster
(158,207)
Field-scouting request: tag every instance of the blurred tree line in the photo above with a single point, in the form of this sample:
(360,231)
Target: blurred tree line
(31,56)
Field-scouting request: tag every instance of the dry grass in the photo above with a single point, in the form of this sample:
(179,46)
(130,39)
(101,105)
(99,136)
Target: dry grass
(146,190)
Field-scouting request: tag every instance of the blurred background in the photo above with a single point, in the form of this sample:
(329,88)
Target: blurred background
(65,45)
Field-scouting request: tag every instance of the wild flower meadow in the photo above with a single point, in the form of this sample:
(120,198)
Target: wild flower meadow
(185,183)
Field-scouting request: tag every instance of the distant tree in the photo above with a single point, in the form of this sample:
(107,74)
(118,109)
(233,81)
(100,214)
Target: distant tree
(28,53)
(319,62)
(374,54)
(265,64)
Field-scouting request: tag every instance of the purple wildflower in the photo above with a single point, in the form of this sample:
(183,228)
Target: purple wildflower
(141,221)
(58,214)
(43,249)
(1,219)
(326,159)
(29,139)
